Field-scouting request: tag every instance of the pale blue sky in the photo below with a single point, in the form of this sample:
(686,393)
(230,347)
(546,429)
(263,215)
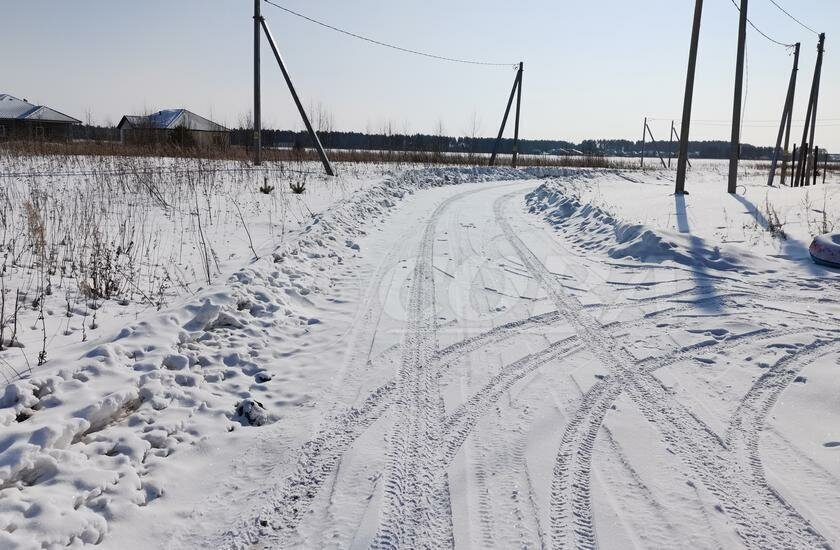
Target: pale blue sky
(593,69)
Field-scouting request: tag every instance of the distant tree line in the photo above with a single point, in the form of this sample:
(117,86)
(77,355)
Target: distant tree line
(243,137)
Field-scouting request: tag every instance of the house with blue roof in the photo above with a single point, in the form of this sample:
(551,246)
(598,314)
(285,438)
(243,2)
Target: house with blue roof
(23,121)
(172,126)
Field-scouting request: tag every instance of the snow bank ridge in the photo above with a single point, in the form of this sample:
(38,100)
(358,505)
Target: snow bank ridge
(599,231)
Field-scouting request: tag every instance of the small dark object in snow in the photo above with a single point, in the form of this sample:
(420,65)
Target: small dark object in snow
(262,377)
(266,189)
(297,187)
(801,379)
(251,412)
(601,376)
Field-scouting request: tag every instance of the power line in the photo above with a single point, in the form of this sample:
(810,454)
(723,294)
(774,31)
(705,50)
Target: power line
(759,31)
(391,46)
(803,25)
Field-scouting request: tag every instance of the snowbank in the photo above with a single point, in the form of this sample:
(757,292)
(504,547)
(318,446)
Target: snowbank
(636,216)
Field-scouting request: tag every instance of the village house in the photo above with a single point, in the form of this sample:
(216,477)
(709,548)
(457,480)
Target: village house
(23,121)
(175,126)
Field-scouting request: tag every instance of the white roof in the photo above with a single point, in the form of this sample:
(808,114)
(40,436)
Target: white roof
(18,109)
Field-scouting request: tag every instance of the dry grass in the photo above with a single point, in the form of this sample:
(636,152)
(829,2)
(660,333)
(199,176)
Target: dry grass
(242,154)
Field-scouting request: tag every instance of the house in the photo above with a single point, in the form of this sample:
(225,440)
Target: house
(23,121)
(176,126)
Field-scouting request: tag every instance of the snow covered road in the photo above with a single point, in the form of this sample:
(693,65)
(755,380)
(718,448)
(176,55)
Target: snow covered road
(511,394)
(499,365)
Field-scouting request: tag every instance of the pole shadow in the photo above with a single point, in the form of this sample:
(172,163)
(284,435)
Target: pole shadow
(792,249)
(698,252)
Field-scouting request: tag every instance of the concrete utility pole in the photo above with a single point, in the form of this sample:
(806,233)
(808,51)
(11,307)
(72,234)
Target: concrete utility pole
(787,116)
(735,142)
(518,108)
(820,51)
(689,97)
(313,135)
(810,117)
(257,103)
(516,83)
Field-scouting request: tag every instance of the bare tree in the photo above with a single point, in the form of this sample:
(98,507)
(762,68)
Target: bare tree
(440,137)
(472,132)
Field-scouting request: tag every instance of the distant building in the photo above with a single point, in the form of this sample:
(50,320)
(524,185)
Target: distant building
(176,126)
(22,121)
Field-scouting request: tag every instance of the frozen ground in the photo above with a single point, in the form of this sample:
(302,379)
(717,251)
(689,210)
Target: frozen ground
(455,357)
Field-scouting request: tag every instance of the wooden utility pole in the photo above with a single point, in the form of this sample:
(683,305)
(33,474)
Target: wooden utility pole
(313,135)
(644,136)
(671,144)
(735,142)
(787,116)
(825,164)
(689,97)
(816,163)
(518,108)
(516,83)
(653,144)
(257,102)
(810,117)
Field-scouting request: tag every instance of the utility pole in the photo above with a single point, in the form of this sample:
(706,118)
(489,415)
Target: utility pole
(825,164)
(820,50)
(644,135)
(689,97)
(671,145)
(516,82)
(810,116)
(313,135)
(257,103)
(794,78)
(653,144)
(787,116)
(735,142)
(518,107)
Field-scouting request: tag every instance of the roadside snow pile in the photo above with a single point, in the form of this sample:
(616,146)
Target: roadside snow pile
(86,442)
(635,215)
(602,232)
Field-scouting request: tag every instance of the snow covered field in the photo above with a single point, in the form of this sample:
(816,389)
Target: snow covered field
(434,358)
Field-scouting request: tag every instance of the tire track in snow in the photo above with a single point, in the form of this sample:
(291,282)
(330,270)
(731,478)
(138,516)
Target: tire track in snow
(319,456)
(416,508)
(460,423)
(688,436)
(750,417)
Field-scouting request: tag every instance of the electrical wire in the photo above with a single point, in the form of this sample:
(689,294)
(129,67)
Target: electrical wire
(391,46)
(803,25)
(759,31)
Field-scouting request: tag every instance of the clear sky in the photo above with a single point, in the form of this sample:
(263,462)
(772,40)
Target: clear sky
(593,69)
